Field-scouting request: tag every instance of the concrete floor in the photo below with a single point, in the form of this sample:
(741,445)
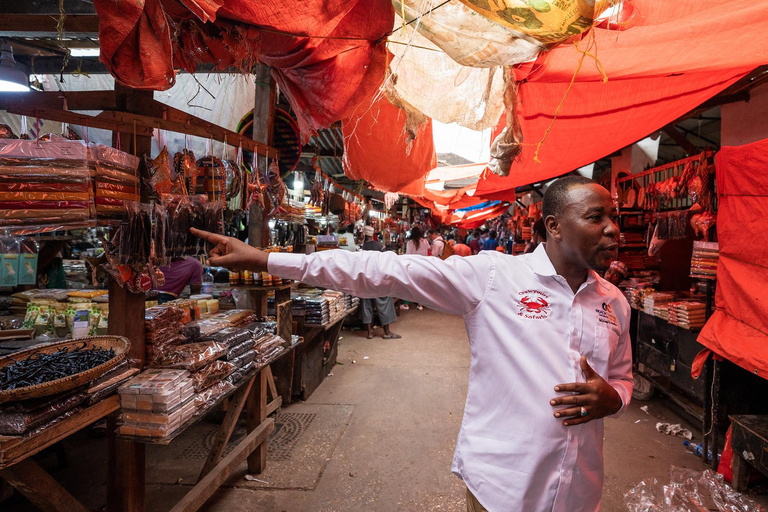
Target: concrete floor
(382,437)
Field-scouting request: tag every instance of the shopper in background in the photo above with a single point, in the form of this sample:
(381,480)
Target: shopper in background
(616,273)
(550,347)
(491,243)
(347,239)
(538,236)
(438,244)
(462,250)
(180,273)
(476,244)
(385,306)
(416,245)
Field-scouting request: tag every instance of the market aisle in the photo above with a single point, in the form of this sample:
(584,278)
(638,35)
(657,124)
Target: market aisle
(384,429)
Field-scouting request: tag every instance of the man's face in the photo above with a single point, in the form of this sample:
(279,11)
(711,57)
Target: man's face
(588,229)
(613,277)
(432,236)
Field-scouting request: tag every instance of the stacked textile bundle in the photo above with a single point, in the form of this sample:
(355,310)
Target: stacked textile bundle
(704,260)
(115,179)
(336,304)
(688,315)
(156,402)
(44,185)
(317,311)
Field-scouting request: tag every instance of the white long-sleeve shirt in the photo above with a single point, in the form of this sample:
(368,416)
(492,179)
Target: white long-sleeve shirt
(527,331)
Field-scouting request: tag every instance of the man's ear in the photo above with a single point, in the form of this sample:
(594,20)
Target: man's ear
(553,228)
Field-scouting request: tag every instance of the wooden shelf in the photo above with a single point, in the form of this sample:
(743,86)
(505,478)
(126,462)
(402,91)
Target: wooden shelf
(260,288)
(14,449)
(198,416)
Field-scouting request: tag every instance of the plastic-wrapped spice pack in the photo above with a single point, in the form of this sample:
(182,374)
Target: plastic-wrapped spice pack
(156,402)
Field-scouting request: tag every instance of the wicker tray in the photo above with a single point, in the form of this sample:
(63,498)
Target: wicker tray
(118,343)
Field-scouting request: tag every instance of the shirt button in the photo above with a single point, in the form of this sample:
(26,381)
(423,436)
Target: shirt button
(575,332)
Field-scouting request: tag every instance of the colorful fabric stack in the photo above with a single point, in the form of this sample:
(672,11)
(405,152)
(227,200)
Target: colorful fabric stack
(704,260)
(688,315)
(115,179)
(44,185)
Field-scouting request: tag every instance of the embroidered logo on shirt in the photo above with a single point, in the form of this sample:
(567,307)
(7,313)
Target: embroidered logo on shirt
(606,316)
(534,305)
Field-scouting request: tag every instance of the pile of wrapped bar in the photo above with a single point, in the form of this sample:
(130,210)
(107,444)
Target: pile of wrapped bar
(156,403)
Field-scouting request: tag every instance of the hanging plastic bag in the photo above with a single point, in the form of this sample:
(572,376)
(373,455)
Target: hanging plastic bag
(656,242)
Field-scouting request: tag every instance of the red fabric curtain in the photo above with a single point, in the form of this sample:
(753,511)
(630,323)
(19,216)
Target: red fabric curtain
(323,77)
(738,330)
(676,56)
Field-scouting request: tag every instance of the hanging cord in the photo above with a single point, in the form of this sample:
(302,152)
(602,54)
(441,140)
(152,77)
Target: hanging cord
(584,53)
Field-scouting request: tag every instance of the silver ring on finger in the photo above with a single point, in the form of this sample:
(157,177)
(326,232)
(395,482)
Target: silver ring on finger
(583,411)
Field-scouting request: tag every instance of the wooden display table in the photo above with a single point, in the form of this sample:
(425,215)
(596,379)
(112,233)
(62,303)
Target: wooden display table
(19,470)
(749,441)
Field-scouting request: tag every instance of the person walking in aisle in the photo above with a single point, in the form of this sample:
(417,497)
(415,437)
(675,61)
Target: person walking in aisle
(416,245)
(476,244)
(385,306)
(491,243)
(549,337)
(438,244)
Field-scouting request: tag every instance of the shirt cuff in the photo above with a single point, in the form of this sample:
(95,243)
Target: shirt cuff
(286,265)
(621,390)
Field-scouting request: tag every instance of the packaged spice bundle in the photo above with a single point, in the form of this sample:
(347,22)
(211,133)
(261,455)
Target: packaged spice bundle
(191,357)
(212,373)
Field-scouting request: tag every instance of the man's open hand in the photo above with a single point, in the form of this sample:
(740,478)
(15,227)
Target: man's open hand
(231,253)
(591,400)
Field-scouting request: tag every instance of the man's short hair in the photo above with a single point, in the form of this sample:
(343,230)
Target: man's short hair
(432,231)
(493,234)
(557,194)
(477,232)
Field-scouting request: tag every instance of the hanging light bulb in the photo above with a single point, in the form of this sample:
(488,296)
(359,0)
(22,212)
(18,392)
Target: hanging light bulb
(298,185)
(11,78)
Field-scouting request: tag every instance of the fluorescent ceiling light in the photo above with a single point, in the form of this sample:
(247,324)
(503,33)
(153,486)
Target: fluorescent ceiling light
(84,52)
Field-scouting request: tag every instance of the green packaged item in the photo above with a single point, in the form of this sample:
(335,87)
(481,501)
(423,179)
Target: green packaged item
(31,316)
(103,327)
(44,323)
(60,324)
(28,262)
(78,316)
(9,262)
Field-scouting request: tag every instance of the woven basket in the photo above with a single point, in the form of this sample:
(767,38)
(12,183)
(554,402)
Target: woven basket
(118,343)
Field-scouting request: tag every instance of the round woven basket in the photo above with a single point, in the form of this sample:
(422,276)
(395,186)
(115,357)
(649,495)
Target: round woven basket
(118,343)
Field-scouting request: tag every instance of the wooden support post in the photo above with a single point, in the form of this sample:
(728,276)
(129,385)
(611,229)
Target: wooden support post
(257,413)
(263,124)
(227,427)
(125,459)
(40,487)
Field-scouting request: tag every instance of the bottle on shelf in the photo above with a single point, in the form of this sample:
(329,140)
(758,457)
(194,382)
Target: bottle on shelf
(207,281)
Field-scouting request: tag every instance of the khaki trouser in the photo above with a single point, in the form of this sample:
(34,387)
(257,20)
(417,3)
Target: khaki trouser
(472,504)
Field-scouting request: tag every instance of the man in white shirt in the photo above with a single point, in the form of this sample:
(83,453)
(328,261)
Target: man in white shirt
(438,244)
(549,340)
(347,239)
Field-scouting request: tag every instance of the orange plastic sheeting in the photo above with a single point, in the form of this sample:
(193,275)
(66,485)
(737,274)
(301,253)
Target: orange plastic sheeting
(738,330)
(676,56)
(323,76)
(375,149)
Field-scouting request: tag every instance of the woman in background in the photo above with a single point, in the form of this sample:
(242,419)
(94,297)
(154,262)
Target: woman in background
(416,244)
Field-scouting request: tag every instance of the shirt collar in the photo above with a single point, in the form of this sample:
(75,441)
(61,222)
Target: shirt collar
(542,265)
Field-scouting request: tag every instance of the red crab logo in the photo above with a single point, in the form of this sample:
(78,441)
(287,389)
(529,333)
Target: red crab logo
(534,305)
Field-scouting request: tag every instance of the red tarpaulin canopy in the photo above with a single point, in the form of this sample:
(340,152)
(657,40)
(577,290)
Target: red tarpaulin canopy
(738,330)
(675,56)
(326,55)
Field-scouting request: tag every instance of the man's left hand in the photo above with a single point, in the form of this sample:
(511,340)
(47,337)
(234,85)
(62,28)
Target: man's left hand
(595,397)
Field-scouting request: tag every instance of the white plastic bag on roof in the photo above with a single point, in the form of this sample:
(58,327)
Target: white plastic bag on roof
(432,83)
(466,36)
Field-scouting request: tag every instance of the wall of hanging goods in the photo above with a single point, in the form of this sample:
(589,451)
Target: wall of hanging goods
(200,351)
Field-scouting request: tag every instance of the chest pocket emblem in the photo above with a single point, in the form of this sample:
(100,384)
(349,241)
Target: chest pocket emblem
(534,305)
